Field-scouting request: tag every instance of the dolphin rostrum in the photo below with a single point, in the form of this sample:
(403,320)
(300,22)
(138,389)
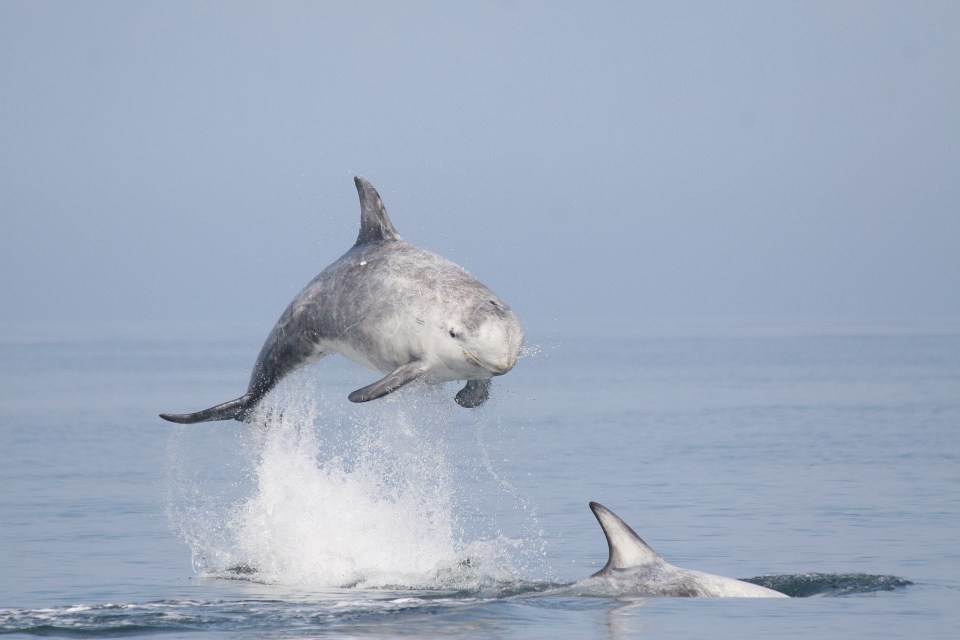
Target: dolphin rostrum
(633,567)
(390,306)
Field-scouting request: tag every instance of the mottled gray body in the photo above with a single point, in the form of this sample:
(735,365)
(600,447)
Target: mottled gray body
(633,567)
(393,307)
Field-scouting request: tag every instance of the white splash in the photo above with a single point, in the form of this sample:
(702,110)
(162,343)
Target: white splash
(340,497)
(381,513)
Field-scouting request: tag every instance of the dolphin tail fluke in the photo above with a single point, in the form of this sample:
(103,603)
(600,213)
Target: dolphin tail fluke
(232,410)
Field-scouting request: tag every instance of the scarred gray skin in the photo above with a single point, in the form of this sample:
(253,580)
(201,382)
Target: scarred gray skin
(390,306)
(634,568)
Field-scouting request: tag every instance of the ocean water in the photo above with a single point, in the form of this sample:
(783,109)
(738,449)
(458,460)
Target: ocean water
(824,456)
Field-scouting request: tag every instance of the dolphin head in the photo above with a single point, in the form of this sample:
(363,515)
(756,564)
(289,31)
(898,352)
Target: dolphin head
(487,338)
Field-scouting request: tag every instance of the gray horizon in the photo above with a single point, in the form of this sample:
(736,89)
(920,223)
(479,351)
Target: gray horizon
(181,161)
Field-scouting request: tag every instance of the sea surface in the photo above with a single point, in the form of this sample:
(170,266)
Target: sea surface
(822,456)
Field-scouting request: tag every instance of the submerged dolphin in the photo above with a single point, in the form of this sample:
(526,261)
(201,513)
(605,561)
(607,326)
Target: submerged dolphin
(634,567)
(390,306)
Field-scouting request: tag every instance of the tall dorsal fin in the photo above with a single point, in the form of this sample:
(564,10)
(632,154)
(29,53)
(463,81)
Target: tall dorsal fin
(375,225)
(626,547)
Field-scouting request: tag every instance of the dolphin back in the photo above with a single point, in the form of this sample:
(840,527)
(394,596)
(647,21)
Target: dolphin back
(640,569)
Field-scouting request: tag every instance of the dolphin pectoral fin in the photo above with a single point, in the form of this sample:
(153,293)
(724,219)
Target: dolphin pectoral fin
(390,383)
(474,393)
(232,410)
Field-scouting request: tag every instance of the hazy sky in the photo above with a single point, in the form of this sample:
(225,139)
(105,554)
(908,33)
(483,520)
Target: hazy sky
(193,160)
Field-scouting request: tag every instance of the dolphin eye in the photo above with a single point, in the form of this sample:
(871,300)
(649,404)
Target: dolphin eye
(453,333)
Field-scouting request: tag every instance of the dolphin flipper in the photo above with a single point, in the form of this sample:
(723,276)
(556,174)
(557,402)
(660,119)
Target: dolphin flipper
(231,410)
(474,393)
(390,383)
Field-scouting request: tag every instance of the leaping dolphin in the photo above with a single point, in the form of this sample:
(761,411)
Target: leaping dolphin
(390,306)
(633,567)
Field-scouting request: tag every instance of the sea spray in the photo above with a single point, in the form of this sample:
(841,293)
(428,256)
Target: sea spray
(492,492)
(376,511)
(205,474)
(337,495)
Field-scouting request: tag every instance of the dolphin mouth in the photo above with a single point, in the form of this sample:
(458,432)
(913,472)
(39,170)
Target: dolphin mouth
(495,369)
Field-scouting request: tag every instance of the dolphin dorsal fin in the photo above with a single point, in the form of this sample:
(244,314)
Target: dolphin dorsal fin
(626,547)
(375,225)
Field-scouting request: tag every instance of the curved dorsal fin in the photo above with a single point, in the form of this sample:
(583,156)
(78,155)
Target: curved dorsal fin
(626,547)
(375,225)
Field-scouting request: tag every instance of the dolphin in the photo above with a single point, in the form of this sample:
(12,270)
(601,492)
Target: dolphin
(389,306)
(633,567)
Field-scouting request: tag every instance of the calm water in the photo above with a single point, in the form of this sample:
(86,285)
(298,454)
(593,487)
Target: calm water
(742,451)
